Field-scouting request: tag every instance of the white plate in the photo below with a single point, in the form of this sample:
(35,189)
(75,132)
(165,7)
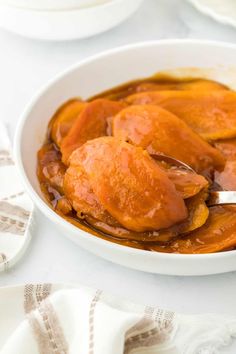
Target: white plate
(66,25)
(223,11)
(207,59)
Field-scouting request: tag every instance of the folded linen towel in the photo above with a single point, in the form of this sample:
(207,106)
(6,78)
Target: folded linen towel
(49,319)
(15,208)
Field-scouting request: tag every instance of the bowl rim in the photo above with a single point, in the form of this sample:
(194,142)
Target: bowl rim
(42,204)
(53,12)
(215,15)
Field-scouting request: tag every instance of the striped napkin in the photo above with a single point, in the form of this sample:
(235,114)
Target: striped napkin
(60,319)
(15,208)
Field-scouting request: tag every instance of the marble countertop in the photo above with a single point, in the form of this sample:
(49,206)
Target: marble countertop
(25,66)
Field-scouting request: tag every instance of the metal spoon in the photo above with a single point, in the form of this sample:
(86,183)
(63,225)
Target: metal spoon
(216,197)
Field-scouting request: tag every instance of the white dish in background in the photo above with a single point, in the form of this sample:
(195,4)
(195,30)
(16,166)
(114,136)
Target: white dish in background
(53,4)
(223,11)
(69,24)
(204,59)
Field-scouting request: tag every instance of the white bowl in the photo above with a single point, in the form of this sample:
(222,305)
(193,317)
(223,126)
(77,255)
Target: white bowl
(221,11)
(103,71)
(52,4)
(66,25)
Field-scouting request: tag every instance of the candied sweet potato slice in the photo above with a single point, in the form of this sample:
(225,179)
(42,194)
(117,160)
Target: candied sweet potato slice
(192,85)
(80,193)
(210,114)
(198,212)
(93,122)
(78,190)
(201,85)
(160,131)
(129,184)
(187,183)
(64,118)
(162,83)
(217,234)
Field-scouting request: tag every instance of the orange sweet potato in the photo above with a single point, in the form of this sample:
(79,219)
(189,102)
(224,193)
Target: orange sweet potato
(186,183)
(192,85)
(160,83)
(212,114)
(160,131)
(64,118)
(91,123)
(128,184)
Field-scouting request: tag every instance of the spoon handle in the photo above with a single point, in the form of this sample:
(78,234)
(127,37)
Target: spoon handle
(221,198)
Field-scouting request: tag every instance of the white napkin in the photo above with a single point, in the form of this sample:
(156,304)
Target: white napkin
(49,319)
(15,208)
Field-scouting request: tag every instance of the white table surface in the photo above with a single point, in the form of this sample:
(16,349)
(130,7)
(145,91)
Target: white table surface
(25,66)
